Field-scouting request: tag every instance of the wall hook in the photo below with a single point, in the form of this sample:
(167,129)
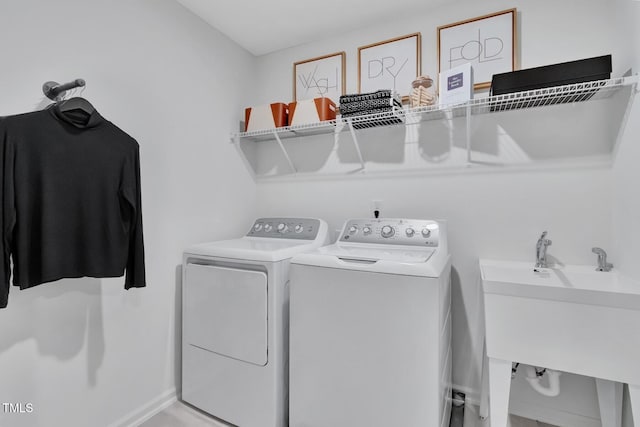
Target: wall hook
(54,90)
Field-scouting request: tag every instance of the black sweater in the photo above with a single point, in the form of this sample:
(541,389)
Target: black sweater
(70,198)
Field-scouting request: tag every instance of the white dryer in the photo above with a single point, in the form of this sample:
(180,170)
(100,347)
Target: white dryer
(371,328)
(235,307)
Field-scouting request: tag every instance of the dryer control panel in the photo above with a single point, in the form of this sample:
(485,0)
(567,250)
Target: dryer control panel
(408,232)
(285,228)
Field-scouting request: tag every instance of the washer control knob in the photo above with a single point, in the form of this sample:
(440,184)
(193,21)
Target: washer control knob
(257,226)
(410,232)
(426,232)
(387,231)
(268,227)
(353,229)
(299,228)
(282,228)
(366,230)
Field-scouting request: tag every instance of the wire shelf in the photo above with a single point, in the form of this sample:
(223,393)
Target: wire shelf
(289,131)
(577,92)
(572,93)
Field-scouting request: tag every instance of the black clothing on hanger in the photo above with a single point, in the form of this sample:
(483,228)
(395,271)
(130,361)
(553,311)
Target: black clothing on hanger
(70,197)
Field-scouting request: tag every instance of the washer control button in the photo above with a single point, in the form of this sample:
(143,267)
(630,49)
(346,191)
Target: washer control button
(353,229)
(282,228)
(299,228)
(426,232)
(410,232)
(387,231)
(268,227)
(257,226)
(366,230)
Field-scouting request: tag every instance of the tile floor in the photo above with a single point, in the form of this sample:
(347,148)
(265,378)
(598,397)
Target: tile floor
(181,415)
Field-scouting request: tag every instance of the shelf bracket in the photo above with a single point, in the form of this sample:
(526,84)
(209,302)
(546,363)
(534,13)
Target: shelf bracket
(355,143)
(235,140)
(625,119)
(468,135)
(284,151)
(338,130)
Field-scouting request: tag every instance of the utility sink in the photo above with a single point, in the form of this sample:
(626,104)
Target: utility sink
(571,283)
(570,318)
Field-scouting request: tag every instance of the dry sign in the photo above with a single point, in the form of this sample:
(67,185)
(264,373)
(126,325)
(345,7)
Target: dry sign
(390,64)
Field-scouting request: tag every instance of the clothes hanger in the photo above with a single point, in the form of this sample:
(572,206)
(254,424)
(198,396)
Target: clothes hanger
(63,101)
(76,103)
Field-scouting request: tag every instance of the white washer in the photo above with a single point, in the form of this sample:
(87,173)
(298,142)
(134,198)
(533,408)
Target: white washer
(371,328)
(235,305)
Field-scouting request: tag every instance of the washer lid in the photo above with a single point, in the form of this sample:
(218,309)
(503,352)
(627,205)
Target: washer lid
(383,253)
(254,248)
(407,261)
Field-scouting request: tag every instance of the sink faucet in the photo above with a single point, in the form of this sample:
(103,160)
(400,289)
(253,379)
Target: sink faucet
(541,250)
(603,265)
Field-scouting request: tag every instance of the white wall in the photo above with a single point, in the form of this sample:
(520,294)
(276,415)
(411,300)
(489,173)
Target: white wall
(491,215)
(626,175)
(626,206)
(86,352)
(549,32)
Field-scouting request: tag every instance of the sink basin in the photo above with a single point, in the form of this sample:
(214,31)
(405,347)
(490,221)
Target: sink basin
(572,319)
(572,283)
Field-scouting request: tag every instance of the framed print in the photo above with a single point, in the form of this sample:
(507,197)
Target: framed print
(390,64)
(487,42)
(323,76)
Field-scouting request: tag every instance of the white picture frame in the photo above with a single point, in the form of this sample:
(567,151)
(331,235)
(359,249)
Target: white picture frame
(487,42)
(323,76)
(390,64)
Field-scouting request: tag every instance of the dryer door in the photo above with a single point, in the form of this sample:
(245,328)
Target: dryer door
(226,311)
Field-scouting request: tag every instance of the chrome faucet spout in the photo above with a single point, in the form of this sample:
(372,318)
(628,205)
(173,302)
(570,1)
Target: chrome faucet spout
(541,250)
(603,265)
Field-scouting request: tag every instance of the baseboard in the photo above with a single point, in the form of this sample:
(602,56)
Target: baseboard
(142,414)
(551,415)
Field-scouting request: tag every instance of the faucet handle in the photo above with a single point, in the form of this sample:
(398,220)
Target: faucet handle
(544,239)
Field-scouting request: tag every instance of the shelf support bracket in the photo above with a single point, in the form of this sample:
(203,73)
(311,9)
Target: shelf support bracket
(284,151)
(355,143)
(338,130)
(235,140)
(625,119)
(468,135)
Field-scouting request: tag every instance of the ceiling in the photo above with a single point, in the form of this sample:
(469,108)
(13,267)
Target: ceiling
(263,27)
